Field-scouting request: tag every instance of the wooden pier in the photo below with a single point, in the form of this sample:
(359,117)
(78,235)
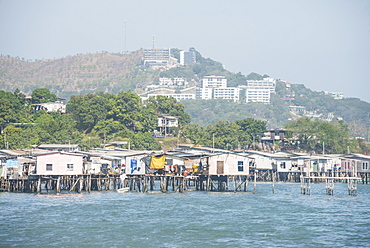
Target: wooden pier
(57,184)
(330,181)
(174,183)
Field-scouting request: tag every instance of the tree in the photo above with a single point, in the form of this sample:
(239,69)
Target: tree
(11,110)
(169,106)
(106,129)
(195,132)
(88,110)
(43,95)
(316,135)
(144,141)
(252,126)
(20,96)
(126,108)
(226,135)
(56,128)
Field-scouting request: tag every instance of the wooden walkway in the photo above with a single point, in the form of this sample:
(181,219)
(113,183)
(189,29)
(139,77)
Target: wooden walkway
(171,183)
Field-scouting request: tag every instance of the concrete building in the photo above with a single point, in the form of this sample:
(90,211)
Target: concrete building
(204,93)
(259,90)
(157,57)
(266,83)
(187,58)
(226,93)
(178,97)
(172,81)
(214,82)
(335,95)
(257,95)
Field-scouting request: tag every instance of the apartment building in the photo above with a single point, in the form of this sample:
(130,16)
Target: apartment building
(226,93)
(157,57)
(214,82)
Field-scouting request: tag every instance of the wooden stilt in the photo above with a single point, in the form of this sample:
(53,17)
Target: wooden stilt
(255,182)
(39,185)
(58,185)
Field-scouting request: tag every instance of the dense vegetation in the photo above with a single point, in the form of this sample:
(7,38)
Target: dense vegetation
(94,117)
(90,120)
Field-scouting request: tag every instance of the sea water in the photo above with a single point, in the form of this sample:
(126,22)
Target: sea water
(191,219)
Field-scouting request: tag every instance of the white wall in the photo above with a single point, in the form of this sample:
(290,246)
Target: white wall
(59,163)
(230,164)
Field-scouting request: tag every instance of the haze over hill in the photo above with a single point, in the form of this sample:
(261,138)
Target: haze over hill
(322,44)
(110,72)
(116,72)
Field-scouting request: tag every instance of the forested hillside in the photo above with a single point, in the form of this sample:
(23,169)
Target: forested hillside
(353,111)
(114,73)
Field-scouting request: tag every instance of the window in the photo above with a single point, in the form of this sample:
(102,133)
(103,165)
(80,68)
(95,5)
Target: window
(69,167)
(49,167)
(365,165)
(282,165)
(240,166)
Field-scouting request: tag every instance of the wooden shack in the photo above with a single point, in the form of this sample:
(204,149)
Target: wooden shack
(228,164)
(59,163)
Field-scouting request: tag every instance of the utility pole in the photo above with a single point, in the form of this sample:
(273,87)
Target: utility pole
(323,148)
(213,143)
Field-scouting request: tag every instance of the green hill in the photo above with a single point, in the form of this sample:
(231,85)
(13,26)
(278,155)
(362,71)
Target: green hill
(113,73)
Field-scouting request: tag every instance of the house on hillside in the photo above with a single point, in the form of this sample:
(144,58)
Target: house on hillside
(166,124)
(271,136)
(50,107)
(58,163)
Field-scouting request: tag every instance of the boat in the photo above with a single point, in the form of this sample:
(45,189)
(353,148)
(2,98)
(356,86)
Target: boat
(123,190)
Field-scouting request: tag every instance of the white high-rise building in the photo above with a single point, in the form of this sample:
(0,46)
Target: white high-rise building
(259,90)
(204,93)
(157,57)
(214,82)
(257,95)
(178,97)
(187,58)
(226,93)
(266,83)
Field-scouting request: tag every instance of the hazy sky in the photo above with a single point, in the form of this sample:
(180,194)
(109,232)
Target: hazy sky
(324,44)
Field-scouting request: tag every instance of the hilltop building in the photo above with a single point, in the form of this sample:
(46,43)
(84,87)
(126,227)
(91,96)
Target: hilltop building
(178,97)
(215,87)
(259,90)
(157,57)
(187,58)
(173,81)
(50,107)
(226,93)
(204,93)
(335,95)
(214,82)
(166,124)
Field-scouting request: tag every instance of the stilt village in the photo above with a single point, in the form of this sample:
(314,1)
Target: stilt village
(64,168)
